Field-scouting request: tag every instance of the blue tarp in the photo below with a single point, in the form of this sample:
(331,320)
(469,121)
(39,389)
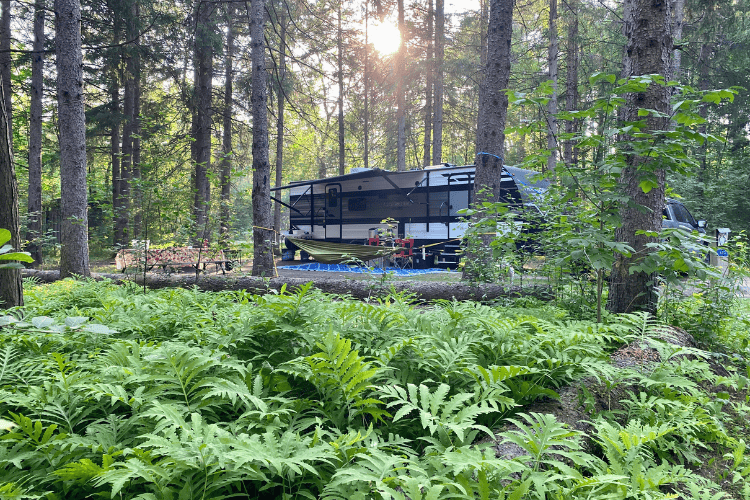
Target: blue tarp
(344,268)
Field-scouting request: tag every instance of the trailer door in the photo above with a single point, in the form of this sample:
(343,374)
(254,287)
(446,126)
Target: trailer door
(333,211)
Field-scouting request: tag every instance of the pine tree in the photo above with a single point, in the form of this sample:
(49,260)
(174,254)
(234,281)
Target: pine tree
(648,26)
(74,249)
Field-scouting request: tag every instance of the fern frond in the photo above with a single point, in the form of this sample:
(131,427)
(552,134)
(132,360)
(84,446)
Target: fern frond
(343,376)
(437,413)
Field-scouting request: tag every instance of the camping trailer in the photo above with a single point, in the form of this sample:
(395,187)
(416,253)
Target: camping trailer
(424,205)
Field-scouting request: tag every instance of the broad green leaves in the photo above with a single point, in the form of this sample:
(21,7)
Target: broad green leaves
(6,253)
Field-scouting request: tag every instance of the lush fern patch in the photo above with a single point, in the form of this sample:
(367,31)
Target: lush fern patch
(107,392)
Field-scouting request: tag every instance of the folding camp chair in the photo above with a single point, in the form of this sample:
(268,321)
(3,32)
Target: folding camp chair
(404,257)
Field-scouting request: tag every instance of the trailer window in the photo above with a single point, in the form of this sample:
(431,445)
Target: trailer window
(333,197)
(357,204)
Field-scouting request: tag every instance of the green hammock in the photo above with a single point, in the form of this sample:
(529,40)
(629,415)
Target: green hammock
(334,253)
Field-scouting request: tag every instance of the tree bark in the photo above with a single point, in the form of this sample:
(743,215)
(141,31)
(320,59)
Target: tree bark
(74,249)
(366,78)
(5,63)
(226,160)
(34,225)
(135,174)
(648,27)
(262,220)
(494,109)
(281,75)
(202,117)
(429,78)
(571,83)
(483,32)
(122,217)
(340,76)
(400,101)
(358,289)
(437,117)
(11,287)
(492,112)
(115,152)
(678,9)
(552,104)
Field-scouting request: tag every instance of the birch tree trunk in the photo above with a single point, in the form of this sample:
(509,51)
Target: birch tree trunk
(648,27)
(74,249)
(34,226)
(262,220)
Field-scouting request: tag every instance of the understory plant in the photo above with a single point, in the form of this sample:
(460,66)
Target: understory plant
(109,392)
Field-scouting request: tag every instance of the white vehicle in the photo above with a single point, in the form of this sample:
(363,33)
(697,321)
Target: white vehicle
(425,203)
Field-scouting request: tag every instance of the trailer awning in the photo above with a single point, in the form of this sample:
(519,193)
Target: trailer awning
(334,253)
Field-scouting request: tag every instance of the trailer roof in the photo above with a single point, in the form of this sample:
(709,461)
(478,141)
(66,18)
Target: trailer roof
(523,178)
(365,174)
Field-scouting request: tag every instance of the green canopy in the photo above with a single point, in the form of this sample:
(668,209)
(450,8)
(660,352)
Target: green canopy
(334,253)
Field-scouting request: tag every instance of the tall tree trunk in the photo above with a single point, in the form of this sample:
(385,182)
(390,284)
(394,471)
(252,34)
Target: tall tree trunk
(34,226)
(74,249)
(704,83)
(678,8)
(400,104)
(202,117)
(483,32)
(648,27)
(226,146)
(262,220)
(493,109)
(366,78)
(5,63)
(552,104)
(115,152)
(122,216)
(429,78)
(281,74)
(135,176)
(437,123)
(571,83)
(340,76)
(11,287)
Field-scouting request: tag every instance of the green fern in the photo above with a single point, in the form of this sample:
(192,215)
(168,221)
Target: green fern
(343,377)
(452,419)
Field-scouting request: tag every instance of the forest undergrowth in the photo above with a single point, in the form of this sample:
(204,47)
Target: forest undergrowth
(110,392)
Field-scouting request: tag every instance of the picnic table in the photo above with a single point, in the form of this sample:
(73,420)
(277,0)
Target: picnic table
(170,259)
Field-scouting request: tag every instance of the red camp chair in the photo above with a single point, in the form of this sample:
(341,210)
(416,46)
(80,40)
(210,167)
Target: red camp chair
(405,255)
(373,241)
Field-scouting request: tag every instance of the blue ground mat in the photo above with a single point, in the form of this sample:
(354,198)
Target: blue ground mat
(344,268)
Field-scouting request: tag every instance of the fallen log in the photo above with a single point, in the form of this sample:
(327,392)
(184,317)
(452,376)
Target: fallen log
(358,289)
